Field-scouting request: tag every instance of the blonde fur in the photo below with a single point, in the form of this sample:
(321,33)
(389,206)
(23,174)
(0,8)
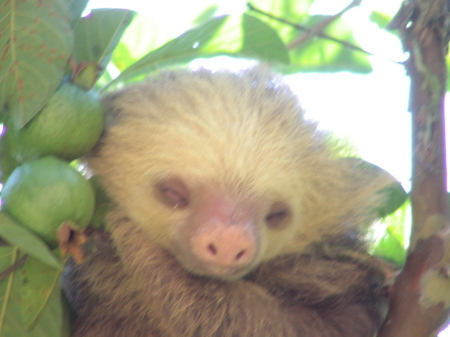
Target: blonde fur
(246,134)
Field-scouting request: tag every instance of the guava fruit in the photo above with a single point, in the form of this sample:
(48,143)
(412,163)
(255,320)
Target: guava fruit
(43,194)
(68,126)
(102,204)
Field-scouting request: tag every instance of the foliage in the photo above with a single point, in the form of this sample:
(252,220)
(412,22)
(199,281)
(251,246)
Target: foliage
(35,52)
(46,43)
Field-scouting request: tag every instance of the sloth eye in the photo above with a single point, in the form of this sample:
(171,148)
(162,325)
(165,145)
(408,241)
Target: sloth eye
(173,193)
(278,215)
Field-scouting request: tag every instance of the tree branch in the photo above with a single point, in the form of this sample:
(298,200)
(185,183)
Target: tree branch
(321,26)
(316,31)
(424,30)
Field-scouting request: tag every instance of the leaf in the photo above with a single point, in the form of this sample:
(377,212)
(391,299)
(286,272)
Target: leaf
(395,196)
(390,248)
(246,36)
(25,288)
(10,304)
(242,36)
(122,57)
(392,192)
(261,41)
(97,34)
(39,281)
(55,318)
(35,43)
(77,8)
(291,10)
(17,235)
(323,55)
(182,49)
(391,244)
(316,54)
(206,15)
(8,148)
(380,19)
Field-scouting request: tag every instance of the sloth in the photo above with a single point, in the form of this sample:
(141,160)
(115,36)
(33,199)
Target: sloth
(232,216)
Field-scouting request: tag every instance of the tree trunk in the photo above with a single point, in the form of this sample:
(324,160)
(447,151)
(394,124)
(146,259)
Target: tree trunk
(424,30)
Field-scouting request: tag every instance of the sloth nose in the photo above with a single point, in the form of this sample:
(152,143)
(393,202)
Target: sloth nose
(225,247)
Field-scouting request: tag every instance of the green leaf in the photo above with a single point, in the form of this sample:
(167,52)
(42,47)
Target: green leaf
(77,8)
(97,34)
(10,303)
(36,42)
(380,19)
(246,36)
(28,242)
(31,289)
(182,49)
(206,15)
(390,249)
(122,57)
(323,55)
(261,41)
(8,149)
(55,319)
(291,10)
(393,194)
(39,281)
(391,244)
(242,36)
(316,54)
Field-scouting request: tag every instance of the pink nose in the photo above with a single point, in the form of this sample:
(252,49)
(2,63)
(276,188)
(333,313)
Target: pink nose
(225,246)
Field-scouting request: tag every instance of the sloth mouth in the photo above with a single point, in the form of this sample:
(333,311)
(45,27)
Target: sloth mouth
(210,270)
(227,274)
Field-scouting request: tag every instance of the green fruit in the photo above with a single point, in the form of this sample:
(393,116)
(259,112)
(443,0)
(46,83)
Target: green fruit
(43,194)
(102,204)
(67,127)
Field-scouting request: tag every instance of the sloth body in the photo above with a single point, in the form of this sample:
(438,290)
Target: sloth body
(233,216)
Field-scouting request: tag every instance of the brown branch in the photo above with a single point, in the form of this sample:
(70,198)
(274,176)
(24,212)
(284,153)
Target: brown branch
(311,32)
(16,265)
(424,30)
(407,317)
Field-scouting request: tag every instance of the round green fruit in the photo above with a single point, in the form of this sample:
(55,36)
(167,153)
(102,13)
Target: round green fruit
(43,194)
(67,127)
